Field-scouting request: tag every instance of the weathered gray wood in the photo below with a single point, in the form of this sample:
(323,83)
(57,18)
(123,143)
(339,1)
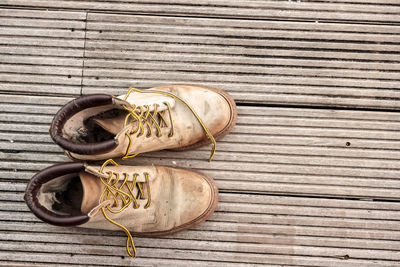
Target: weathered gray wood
(86,260)
(75,235)
(224,197)
(256,61)
(46,14)
(235,217)
(241,237)
(184,256)
(281,172)
(32,43)
(277,206)
(87,245)
(243,24)
(152,49)
(255,9)
(295,151)
(260,219)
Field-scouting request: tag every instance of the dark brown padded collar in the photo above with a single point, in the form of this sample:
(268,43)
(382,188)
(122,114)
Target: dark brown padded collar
(70,109)
(43,177)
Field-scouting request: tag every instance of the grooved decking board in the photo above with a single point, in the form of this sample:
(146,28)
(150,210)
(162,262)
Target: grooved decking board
(266,62)
(245,228)
(298,186)
(359,11)
(332,153)
(292,63)
(41,51)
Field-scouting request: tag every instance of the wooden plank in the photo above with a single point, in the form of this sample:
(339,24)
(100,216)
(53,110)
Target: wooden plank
(298,186)
(35,101)
(295,10)
(268,204)
(278,81)
(47,14)
(292,151)
(253,253)
(241,24)
(86,260)
(27,223)
(41,51)
(117,261)
(273,239)
(256,61)
(323,237)
(280,230)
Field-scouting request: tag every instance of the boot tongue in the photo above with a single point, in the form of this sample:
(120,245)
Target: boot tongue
(92,190)
(114,124)
(112,120)
(149,99)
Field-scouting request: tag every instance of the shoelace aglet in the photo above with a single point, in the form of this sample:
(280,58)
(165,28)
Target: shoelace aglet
(212,151)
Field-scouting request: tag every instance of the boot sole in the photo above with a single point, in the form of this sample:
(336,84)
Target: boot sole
(206,214)
(225,131)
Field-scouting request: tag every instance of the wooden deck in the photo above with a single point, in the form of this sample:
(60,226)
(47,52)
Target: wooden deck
(310,176)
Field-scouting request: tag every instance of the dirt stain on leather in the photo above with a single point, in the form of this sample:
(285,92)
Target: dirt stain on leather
(206,108)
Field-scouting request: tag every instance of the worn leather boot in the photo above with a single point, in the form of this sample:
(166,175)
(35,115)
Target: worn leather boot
(147,200)
(180,117)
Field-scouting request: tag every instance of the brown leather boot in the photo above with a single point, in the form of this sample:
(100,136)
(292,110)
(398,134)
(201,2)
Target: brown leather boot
(100,126)
(147,200)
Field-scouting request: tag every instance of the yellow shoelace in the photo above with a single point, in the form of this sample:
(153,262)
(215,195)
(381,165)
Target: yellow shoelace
(143,116)
(114,191)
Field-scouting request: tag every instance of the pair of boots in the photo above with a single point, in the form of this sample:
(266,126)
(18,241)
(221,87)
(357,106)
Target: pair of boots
(147,200)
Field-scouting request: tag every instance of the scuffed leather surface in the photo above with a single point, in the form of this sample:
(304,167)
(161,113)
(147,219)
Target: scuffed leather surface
(178,197)
(43,177)
(213,109)
(72,108)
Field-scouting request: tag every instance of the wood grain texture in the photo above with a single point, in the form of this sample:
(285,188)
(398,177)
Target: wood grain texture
(41,51)
(272,152)
(264,62)
(368,11)
(311,152)
(249,221)
(299,186)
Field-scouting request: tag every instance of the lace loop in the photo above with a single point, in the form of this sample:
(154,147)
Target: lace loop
(115,192)
(141,117)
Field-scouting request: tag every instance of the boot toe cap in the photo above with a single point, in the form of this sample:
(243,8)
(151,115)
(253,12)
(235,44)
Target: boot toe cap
(214,106)
(197,198)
